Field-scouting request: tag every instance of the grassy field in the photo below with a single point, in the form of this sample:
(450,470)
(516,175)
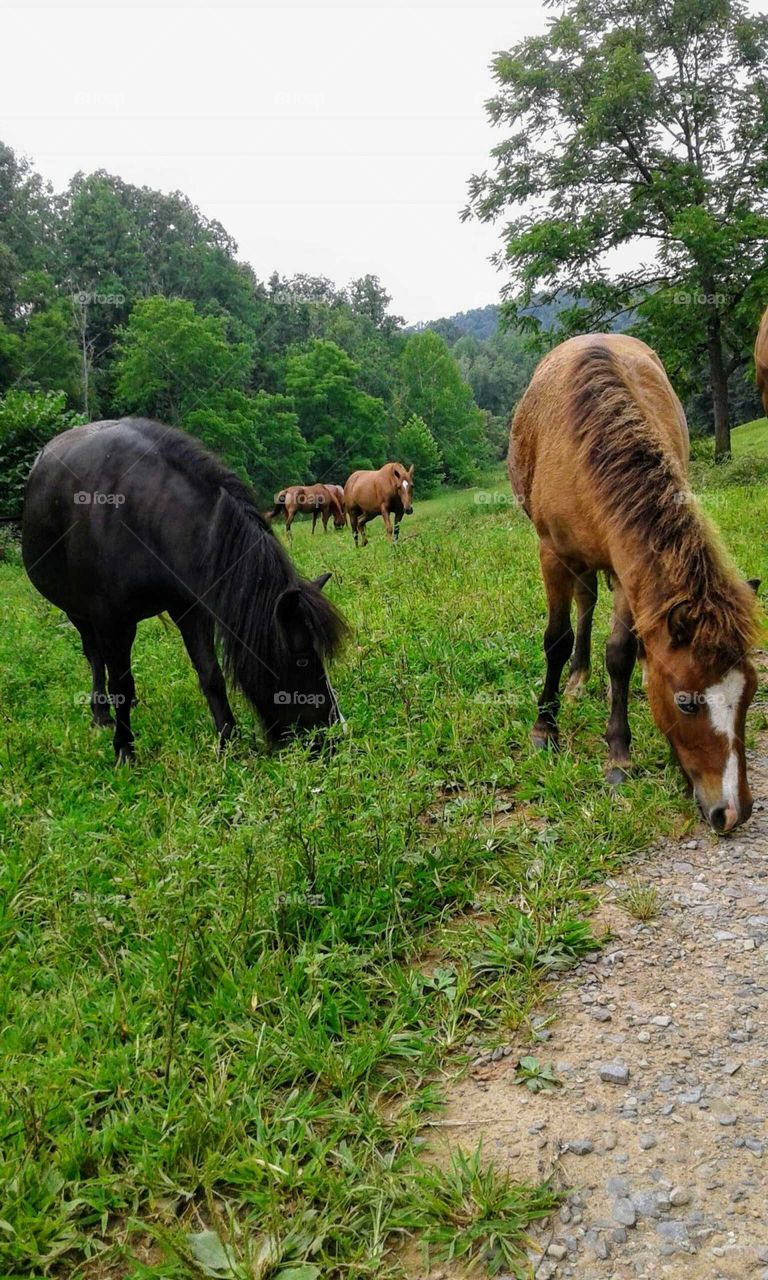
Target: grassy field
(230,988)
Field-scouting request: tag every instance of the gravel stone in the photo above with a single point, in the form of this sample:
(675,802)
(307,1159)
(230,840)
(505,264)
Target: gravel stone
(614,1072)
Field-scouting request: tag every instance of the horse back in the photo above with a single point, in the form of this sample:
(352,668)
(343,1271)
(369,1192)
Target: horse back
(761,360)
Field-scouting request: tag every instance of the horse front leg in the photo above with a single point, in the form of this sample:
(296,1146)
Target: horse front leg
(197,631)
(387,522)
(585,590)
(558,642)
(620,656)
(398,518)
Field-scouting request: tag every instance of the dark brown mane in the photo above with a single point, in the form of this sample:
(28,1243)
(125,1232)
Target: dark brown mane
(645,492)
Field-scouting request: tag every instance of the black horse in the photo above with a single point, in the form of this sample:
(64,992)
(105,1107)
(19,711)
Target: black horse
(127,519)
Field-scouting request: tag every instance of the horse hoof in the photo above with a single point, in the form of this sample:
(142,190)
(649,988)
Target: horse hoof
(124,756)
(544,740)
(616,775)
(107,723)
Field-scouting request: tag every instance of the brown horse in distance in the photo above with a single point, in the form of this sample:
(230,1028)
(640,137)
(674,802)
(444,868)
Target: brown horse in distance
(319,499)
(598,459)
(761,359)
(388,491)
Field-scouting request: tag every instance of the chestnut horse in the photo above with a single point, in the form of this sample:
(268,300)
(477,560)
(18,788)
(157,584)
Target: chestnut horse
(368,494)
(761,359)
(598,459)
(320,499)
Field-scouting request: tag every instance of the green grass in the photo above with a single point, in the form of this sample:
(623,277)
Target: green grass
(228,986)
(750,437)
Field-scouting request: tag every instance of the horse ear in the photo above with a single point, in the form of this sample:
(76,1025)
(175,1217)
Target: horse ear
(679,623)
(754,583)
(410,472)
(288,606)
(321,581)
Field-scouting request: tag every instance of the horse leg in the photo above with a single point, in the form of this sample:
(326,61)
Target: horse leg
(387,522)
(620,655)
(362,521)
(558,642)
(99,703)
(398,518)
(314,520)
(116,643)
(290,512)
(197,631)
(585,590)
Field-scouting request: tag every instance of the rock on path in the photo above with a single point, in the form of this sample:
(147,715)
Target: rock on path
(660,1126)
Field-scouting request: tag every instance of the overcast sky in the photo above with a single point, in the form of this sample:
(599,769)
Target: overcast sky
(333,141)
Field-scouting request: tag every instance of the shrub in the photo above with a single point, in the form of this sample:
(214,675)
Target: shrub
(28,420)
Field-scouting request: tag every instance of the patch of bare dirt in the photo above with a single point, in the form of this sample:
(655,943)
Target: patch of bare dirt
(661,1044)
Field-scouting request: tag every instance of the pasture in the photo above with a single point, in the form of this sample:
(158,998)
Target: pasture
(232,987)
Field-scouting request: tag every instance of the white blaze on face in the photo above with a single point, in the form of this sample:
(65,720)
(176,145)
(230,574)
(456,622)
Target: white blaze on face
(405,488)
(723,701)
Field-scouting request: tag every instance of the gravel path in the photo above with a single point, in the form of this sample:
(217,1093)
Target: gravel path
(661,1043)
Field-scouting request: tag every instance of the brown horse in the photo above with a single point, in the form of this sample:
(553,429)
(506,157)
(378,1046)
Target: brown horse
(598,459)
(319,499)
(761,359)
(368,494)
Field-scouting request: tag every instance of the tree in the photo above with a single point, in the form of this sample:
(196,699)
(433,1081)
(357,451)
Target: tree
(28,420)
(432,388)
(257,435)
(416,446)
(171,359)
(634,122)
(345,426)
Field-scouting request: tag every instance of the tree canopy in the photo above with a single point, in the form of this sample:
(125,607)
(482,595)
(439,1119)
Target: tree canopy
(121,299)
(634,123)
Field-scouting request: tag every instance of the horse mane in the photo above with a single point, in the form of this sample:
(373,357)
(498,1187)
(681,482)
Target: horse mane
(244,568)
(645,491)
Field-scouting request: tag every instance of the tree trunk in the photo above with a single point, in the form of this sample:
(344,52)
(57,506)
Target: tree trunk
(718,379)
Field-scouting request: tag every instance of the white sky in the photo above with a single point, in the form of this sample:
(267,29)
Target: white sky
(334,141)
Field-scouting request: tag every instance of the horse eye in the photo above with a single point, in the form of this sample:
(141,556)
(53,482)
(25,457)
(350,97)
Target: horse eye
(688,705)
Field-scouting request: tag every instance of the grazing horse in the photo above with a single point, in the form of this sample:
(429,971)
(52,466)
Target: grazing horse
(598,459)
(368,494)
(761,359)
(317,498)
(127,519)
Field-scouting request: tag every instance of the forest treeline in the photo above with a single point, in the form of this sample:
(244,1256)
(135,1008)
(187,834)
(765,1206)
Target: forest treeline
(118,299)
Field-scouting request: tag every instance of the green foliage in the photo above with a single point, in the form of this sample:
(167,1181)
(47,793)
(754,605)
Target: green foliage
(171,360)
(416,446)
(27,421)
(49,351)
(537,1077)
(636,124)
(345,427)
(258,435)
(433,389)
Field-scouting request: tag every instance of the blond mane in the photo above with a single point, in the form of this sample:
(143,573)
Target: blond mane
(645,492)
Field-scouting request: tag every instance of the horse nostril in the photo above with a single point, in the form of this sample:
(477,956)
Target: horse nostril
(717,817)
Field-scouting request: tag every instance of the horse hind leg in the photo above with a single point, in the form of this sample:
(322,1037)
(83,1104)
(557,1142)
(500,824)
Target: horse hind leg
(620,655)
(100,715)
(585,590)
(558,642)
(116,643)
